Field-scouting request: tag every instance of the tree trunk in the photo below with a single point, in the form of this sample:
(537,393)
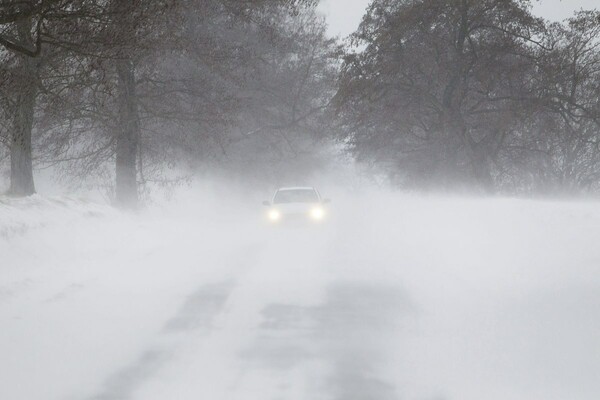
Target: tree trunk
(21,166)
(482,174)
(128,134)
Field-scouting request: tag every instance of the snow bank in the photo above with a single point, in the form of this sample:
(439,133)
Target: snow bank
(19,215)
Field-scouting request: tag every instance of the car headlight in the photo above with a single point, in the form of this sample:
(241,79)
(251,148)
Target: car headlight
(274,215)
(317,213)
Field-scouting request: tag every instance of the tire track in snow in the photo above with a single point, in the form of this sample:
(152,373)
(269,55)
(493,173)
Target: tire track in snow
(195,315)
(347,333)
(221,365)
(194,320)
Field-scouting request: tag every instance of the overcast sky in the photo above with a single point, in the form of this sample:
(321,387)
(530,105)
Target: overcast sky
(345,15)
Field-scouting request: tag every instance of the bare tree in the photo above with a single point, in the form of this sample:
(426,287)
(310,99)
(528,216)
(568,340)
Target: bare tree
(20,36)
(438,87)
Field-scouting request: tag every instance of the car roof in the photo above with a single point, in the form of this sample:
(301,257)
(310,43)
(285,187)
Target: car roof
(296,188)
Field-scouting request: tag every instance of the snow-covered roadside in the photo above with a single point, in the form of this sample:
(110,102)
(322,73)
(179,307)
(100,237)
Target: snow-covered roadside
(18,215)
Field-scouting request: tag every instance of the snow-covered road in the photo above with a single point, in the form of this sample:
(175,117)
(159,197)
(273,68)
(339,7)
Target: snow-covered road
(398,297)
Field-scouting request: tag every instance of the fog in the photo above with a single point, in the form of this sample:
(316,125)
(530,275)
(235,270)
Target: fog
(235,200)
(395,296)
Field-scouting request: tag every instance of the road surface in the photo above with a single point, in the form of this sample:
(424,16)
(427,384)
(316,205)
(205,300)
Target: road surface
(441,300)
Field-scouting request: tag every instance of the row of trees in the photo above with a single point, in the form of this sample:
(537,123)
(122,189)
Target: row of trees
(447,93)
(127,88)
(435,93)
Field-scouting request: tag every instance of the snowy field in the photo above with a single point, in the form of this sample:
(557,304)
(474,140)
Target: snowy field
(396,297)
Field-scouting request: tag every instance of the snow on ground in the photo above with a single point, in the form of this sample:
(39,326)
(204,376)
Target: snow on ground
(396,297)
(17,216)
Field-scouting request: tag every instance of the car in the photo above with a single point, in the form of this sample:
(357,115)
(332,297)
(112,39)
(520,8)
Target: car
(296,204)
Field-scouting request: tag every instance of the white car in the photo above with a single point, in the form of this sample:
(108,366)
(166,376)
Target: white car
(298,204)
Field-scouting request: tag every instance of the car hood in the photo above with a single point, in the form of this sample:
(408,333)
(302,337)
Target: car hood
(295,208)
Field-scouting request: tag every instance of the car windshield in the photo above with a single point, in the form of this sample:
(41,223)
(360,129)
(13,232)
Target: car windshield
(296,196)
